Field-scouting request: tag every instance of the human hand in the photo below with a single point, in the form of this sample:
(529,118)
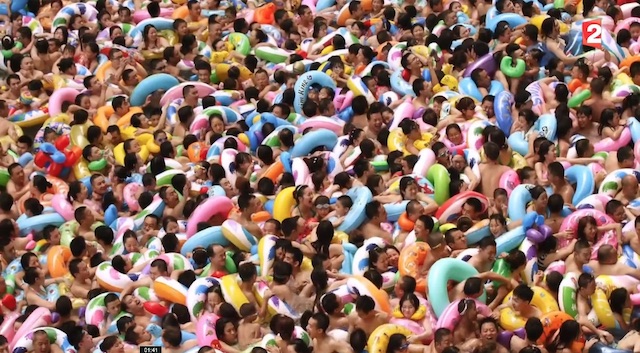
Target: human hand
(590,343)
(605,336)
(537,278)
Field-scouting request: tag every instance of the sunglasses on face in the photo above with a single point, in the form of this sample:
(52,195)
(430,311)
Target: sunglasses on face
(322,206)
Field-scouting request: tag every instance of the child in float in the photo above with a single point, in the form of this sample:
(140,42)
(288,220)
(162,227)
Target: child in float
(409,308)
(337,73)
(498,204)
(24,104)
(611,126)
(454,134)
(323,210)
(341,209)
(249,331)
(586,288)
(214,299)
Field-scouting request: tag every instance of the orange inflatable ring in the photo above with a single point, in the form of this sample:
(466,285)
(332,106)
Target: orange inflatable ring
(575,84)
(551,323)
(180,12)
(102,117)
(367,5)
(274,171)
(411,259)
(628,61)
(344,15)
(261,216)
(58,187)
(170,290)
(405,223)
(57,260)
(125,120)
(196,151)
(264,14)
(102,70)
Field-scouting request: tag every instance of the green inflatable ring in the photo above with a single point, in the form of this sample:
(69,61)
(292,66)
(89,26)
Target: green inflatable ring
(579,98)
(4,176)
(229,265)
(440,178)
(506,66)
(240,43)
(9,53)
(502,268)
(98,165)
(380,166)
(558,4)
(443,271)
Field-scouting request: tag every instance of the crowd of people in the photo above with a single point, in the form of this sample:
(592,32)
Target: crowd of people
(325,176)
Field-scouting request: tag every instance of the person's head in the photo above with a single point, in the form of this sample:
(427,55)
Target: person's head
(619,300)
(442,338)
(615,209)
(365,306)
(318,325)
(540,197)
(409,304)
(487,249)
(568,333)
(80,339)
(423,225)
(455,239)
(587,228)
(533,329)
(158,269)
(522,296)
(217,255)
(489,329)
(472,208)
(112,304)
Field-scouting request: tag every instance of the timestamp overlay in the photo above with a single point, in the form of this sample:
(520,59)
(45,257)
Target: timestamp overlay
(150,349)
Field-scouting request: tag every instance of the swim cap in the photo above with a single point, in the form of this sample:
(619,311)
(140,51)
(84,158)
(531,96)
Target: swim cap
(26,98)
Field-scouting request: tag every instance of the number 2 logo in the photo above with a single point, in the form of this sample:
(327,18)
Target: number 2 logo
(592,34)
